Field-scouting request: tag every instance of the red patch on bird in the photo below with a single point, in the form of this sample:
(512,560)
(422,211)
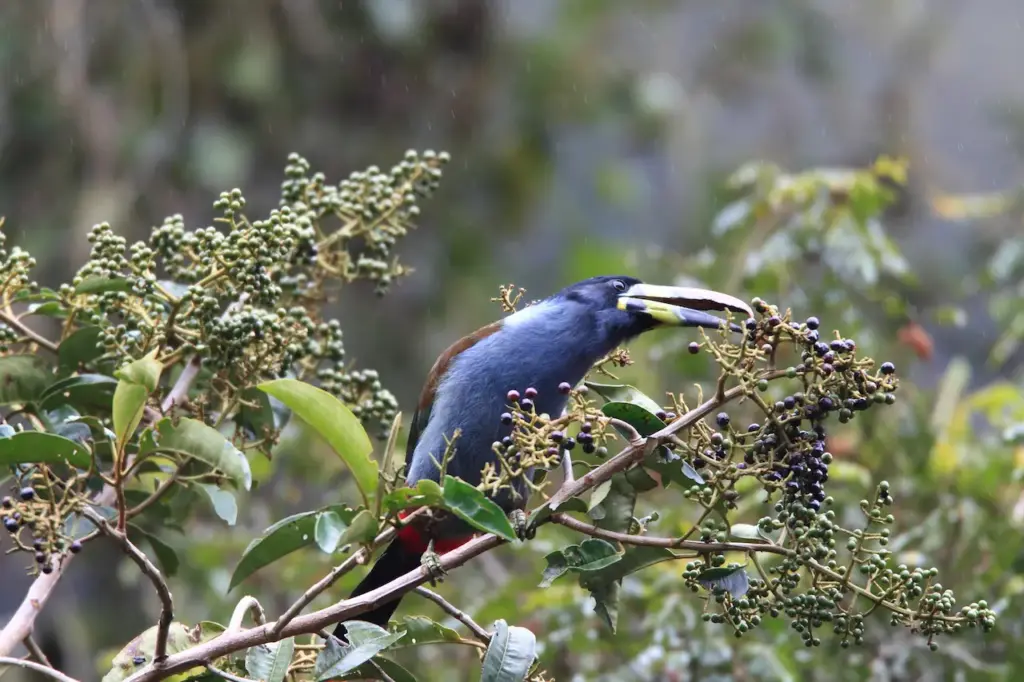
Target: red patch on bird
(415,540)
(917,339)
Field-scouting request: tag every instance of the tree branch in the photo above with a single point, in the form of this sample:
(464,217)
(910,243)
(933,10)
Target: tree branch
(38,667)
(151,572)
(564,519)
(36,652)
(12,321)
(246,604)
(455,613)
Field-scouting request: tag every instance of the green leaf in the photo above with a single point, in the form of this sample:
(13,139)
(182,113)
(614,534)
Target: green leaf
(336,424)
(90,392)
(420,630)
(366,640)
(605,585)
(640,418)
(47,309)
(573,504)
(476,509)
(139,652)
(732,579)
(256,413)
(510,655)
(328,530)
(137,381)
(672,468)
(223,502)
(624,393)
(194,438)
(77,527)
(165,554)
(745,531)
(23,378)
(599,493)
(31,447)
(269,662)
(372,669)
(282,538)
(99,284)
(78,349)
(362,529)
(557,566)
(593,554)
(425,493)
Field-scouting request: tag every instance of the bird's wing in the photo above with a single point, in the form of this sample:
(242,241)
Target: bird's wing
(422,414)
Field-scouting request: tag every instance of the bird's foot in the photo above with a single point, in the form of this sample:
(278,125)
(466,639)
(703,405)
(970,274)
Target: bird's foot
(524,529)
(431,561)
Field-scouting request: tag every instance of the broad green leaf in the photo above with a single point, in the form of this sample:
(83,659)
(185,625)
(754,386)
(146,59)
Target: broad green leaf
(593,554)
(90,392)
(373,669)
(573,504)
(510,655)
(282,538)
(223,502)
(328,530)
(137,381)
(745,531)
(732,579)
(47,309)
(165,554)
(366,640)
(30,447)
(420,630)
(640,418)
(336,424)
(255,413)
(269,662)
(476,509)
(605,585)
(194,438)
(624,393)
(557,566)
(599,493)
(77,527)
(361,530)
(145,371)
(425,493)
(139,652)
(78,349)
(23,378)
(98,284)
(672,468)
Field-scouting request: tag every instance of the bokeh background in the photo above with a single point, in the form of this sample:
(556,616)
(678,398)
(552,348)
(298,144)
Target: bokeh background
(587,137)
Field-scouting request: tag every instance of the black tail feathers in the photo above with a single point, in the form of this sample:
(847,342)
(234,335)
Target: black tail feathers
(395,562)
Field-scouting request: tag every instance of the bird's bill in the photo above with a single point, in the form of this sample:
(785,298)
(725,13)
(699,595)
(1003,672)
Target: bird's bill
(682,306)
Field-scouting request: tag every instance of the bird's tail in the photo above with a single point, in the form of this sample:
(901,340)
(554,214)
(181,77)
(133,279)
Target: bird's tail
(396,561)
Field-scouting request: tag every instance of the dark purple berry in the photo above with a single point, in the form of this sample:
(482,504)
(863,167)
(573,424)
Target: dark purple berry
(789,402)
(669,416)
(661,414)
(829,357)
(7,502)
(750,323)
(557,436)
(526,404)
(694,348)
(849,345)
(530,393)
(586,427)
(506,418)
(565,388)
(37,545)
(774,321)
(75,547)
(888,368)
(837,345)
(10,524)
(40,558)
(585,437)
(827,369)
(570,443)
(506,441)
(753,427)
(512,396)
(27,494)
(47,569)
(870,387)
(826,403)
(552,452)
(812,336)
(780,406)
(820,348)
(589,448)
(813,323)
(716,438)
(722,419)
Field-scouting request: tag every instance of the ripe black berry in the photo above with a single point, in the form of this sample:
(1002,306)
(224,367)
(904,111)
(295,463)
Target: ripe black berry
(722,419)
(789,402)
(75,547)
(774,321)
(888,368)
(820,348)
(586,427)
(530,393)
(556,436)
(47,569)
(813,323)
(751,323)
(564,388)
(512,396)
(506,441)
(837,345)
(10,524)
(694,348)
(753,427)
(7,502)
(506,418)
(570,443)
(589,448)
(526,404)
(661,414)
(27,494)
(40,558)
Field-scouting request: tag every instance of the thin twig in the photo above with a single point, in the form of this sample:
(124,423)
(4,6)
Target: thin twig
(13,321)
(179,392)
(246,604)
(225,674)
(151,572)
(572,523)
(455,613)
(36,651)
(38,667)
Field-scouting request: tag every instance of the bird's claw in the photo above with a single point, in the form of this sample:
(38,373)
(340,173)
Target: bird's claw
(431,561)
(524,529)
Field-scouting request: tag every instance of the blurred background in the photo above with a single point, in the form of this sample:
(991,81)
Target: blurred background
(587,137)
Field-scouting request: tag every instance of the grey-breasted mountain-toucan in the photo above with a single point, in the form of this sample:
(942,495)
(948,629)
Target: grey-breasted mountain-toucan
(549,344)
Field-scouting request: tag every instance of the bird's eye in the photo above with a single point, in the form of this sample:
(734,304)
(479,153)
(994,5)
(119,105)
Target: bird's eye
(619,285)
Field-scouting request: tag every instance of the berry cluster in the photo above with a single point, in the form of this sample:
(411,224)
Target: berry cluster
(27,513)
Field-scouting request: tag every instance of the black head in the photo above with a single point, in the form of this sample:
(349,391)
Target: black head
(626,307)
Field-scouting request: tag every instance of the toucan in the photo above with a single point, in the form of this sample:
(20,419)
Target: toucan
(544,347)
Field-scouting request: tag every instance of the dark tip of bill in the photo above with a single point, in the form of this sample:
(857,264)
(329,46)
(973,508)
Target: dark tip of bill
(735,327)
